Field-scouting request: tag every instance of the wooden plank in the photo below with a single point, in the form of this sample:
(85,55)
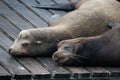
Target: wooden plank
(5,41)
(79,72)
(44,14)
(13,17)
(9,63)
(25,12)
(8,28)
(98,71)
(4,75)
(114,71)
(56,70)
(37,70)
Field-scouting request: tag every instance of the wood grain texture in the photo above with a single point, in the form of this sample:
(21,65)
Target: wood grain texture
(98,71)
(9,63)
(25,12)
(56,70)
(79,72)
(37,70)
(4,75)
(13,17)
(44,14)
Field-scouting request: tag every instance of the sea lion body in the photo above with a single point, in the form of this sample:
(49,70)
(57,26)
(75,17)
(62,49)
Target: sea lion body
(102,50)
(89,19)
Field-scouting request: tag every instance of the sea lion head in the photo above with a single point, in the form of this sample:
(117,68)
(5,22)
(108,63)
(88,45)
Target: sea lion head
(67,53)
(21,44)
(33,42)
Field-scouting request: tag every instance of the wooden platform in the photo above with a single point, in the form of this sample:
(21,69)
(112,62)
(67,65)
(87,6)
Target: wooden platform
(17,15)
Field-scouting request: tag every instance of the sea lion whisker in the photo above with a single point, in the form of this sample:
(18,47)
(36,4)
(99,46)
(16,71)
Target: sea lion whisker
(79,56)
(75,59)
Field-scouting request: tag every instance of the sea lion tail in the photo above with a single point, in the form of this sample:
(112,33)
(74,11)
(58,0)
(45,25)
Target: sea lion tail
(60,6)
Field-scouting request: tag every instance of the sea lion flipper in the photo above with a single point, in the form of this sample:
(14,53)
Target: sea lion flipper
(111,25)
(53,18)
(59,6)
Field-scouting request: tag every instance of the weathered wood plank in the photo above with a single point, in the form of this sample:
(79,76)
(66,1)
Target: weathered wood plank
(13,66)
(5,41)
(44,14)
(98,72)
(17,70)
(4,75)
(38,71)
(79,72)
(114,71)
(56,70)
(8,27)
(24,11)
(13,17)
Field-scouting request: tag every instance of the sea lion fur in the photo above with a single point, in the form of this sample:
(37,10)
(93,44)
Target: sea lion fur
(89,19)
(102,50)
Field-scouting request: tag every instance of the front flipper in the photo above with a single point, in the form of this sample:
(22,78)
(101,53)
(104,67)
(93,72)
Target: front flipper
(111,25)
(59,6)
(53,19)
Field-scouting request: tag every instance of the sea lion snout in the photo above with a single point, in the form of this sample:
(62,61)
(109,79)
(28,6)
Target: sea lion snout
(15,51)
(63,54)
(11,51)
(61,57)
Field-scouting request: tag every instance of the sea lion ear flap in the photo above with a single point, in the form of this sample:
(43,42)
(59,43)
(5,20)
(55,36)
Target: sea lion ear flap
(24,34)
(38,42)
(111,25)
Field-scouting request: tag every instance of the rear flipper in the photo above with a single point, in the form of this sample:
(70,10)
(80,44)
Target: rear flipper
(60,6)
(111,25)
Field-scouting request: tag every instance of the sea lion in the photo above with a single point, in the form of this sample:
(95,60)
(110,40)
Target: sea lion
(89,19)
(102,50)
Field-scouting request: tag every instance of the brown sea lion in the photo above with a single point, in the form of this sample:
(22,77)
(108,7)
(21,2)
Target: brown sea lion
(102,50)
(89,19)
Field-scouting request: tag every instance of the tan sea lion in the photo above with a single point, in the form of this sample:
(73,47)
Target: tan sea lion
(102,50)
(89,19)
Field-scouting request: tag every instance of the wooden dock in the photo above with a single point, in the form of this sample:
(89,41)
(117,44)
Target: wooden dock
(17,15)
